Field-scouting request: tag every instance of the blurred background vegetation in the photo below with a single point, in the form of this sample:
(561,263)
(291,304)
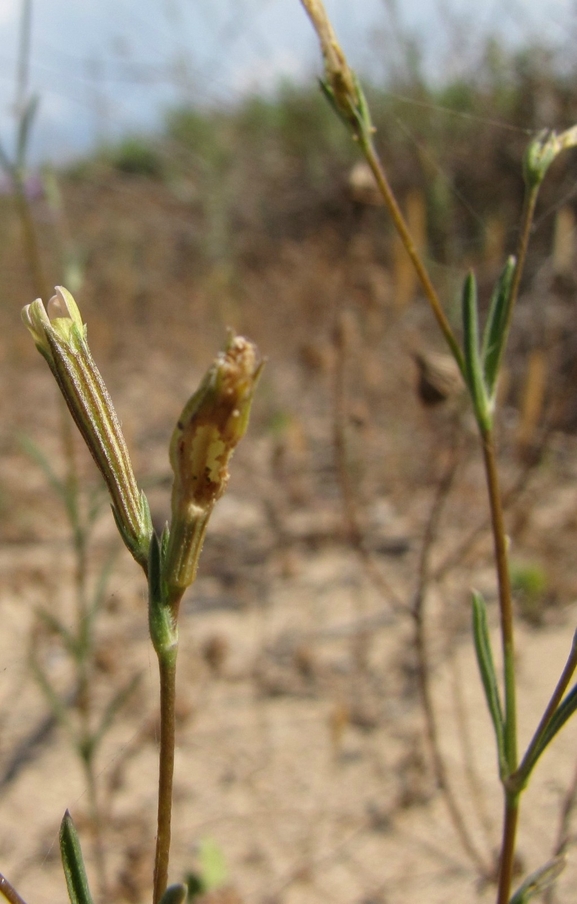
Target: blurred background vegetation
(252,215)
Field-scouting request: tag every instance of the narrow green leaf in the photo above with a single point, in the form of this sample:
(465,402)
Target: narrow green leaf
(73,863)
(363,111)
(561,715)
(351,119)
(539,881)
(497,326)
(164,539)
(163,629)
(473,368)
(174,894)
(488,676)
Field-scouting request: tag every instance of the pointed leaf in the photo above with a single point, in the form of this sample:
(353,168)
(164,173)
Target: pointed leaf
(561,715)
(539,881)
(488,675)
(473,368)
(497,326)
(161,623)
(73,863)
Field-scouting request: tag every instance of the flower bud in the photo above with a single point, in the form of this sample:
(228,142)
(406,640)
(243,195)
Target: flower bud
(212,423)
(60,336)
(543,150)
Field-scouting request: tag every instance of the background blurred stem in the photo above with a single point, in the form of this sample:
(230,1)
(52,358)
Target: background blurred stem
(77,518)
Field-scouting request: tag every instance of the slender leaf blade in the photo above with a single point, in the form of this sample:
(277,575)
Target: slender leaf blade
(73,863)
(539,881)
(497,326)
(561,715)
(488,675)
(473,369)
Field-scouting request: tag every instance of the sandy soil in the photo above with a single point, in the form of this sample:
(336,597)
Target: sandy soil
(301,743)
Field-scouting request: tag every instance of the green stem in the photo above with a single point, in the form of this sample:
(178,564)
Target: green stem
(508,646)
(167,668)
(505,599)
(507,863)
(524,236)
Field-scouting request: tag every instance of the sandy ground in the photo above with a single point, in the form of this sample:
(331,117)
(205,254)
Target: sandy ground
(301,749)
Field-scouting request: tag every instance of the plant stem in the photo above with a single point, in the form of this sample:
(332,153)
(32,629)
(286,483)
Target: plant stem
(524,235)
(508,646)
(505,600)
(508,848)
(167,669)
(9,891)
(402,228)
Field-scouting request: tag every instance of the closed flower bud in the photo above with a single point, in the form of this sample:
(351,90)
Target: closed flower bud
(208,430)
(60,336)
(543,150)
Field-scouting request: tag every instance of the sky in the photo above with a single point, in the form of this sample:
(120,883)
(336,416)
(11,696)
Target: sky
(106,68)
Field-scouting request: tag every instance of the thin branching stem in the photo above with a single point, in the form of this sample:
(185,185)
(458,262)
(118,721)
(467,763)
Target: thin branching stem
(167,668)
(404,233)
(505,598)
(9,892)
(524,236)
